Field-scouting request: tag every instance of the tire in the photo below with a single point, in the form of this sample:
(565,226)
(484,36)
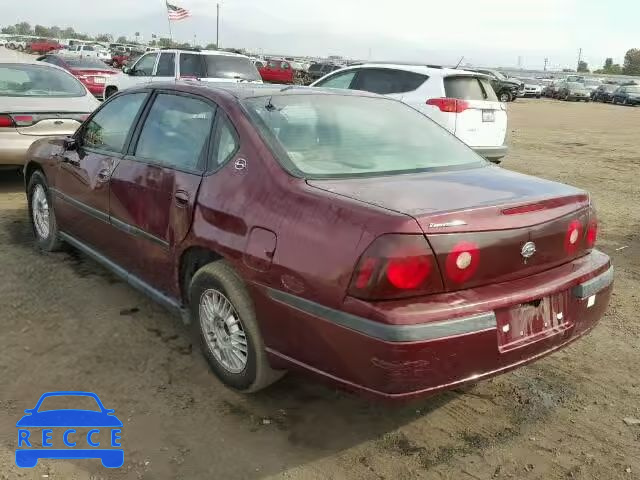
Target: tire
(45,230)
(538,96)
(216,283)
(505,96)
(20,48)
(625,102)
(109,92)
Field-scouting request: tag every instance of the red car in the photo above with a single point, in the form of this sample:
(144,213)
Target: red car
(339,233)
(277,71)
(43,46)
(90,71)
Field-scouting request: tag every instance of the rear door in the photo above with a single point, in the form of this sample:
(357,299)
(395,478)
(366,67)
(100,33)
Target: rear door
(483,123)
(387,81)
(166,68)
(154,188)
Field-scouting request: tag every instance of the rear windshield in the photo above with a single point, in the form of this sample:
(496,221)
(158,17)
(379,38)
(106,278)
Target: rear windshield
(329,136)
(86,63)
(469,88)
(38,81)
(217,66)
(316,67)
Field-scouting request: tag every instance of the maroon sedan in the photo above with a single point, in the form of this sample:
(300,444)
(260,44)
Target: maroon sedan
(336,232)
(90,71)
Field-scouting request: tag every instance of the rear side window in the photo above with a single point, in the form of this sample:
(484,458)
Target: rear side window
(469,88)
(226,143)
(176,131)
(386,81)
(339,80)
(108,129)
(166,65)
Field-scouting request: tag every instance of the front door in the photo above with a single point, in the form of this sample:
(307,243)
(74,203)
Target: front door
(81,193)
(153,189)
(165,70)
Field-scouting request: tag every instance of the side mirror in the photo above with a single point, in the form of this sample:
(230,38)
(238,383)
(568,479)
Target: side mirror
(70,143)
(126,70)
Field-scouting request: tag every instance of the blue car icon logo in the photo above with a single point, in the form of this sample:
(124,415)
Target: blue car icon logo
(69,426)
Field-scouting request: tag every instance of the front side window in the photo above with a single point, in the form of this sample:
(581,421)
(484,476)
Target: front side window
(324,136)
(339,80)
(109,128)
(166,65)
(144,66)
(176,131)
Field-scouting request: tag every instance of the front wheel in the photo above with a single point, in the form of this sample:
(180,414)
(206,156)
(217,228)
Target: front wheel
(224,320)
(43,218)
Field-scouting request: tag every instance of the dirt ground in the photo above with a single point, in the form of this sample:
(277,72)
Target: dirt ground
(68,324)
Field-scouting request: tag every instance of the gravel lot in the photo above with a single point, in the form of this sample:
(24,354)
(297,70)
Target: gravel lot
(68,324)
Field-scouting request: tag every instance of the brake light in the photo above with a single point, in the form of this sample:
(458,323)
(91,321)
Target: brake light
(592,229)
(396,266)
(572,236)
(449,105)
(23,120)
(6,121)
(462,262)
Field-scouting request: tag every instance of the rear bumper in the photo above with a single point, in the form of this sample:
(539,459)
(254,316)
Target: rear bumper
(492,153)
(400,350)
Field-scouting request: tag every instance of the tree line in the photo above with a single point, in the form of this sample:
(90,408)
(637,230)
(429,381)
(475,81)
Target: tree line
(631,65)
(24,28)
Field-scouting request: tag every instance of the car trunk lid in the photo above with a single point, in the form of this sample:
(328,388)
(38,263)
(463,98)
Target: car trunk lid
(492,213)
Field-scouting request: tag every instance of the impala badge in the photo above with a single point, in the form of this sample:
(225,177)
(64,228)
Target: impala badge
(528,250)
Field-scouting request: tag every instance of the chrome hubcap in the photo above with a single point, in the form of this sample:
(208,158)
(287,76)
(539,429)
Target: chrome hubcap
(223,331)
(40,211)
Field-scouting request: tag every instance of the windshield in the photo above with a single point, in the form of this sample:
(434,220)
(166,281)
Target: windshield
(86,63)
(38,81)
(328,136)
(592,83)
(575,86)
(499,75)
(217,66)
(316,67)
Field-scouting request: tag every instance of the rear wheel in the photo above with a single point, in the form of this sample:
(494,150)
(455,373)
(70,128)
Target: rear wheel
(223,319)
(43,218)
(505,96)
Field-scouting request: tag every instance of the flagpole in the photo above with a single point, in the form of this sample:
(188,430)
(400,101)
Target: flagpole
(166,12)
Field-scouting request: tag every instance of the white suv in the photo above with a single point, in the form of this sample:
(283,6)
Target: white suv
(173,64)
(462,102)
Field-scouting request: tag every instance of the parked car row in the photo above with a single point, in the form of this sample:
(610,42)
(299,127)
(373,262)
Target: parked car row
(591,90)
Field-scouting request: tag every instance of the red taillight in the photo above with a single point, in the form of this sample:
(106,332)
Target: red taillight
(449,105)
(396,266)
(592,229)
(572,237)
(6,121)
(23,120)
(462,262)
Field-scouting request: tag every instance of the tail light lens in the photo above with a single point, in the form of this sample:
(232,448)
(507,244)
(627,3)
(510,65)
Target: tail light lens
(592,229)
(462,262)
(23,120)
(6,121)
(449,105)
(396,266)
(572,237)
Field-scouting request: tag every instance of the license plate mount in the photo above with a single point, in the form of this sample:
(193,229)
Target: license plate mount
(488,115)
(530,322)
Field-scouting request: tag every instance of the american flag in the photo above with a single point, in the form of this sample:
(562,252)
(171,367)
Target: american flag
(177,13)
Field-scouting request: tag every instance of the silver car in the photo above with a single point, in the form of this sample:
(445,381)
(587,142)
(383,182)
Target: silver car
(37,101)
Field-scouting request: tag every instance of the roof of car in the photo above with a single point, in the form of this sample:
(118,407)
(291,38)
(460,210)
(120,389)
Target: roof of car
(241,91)
(428,69)
(203,52)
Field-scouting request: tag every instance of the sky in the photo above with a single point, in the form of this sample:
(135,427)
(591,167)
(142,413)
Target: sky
(489,33)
